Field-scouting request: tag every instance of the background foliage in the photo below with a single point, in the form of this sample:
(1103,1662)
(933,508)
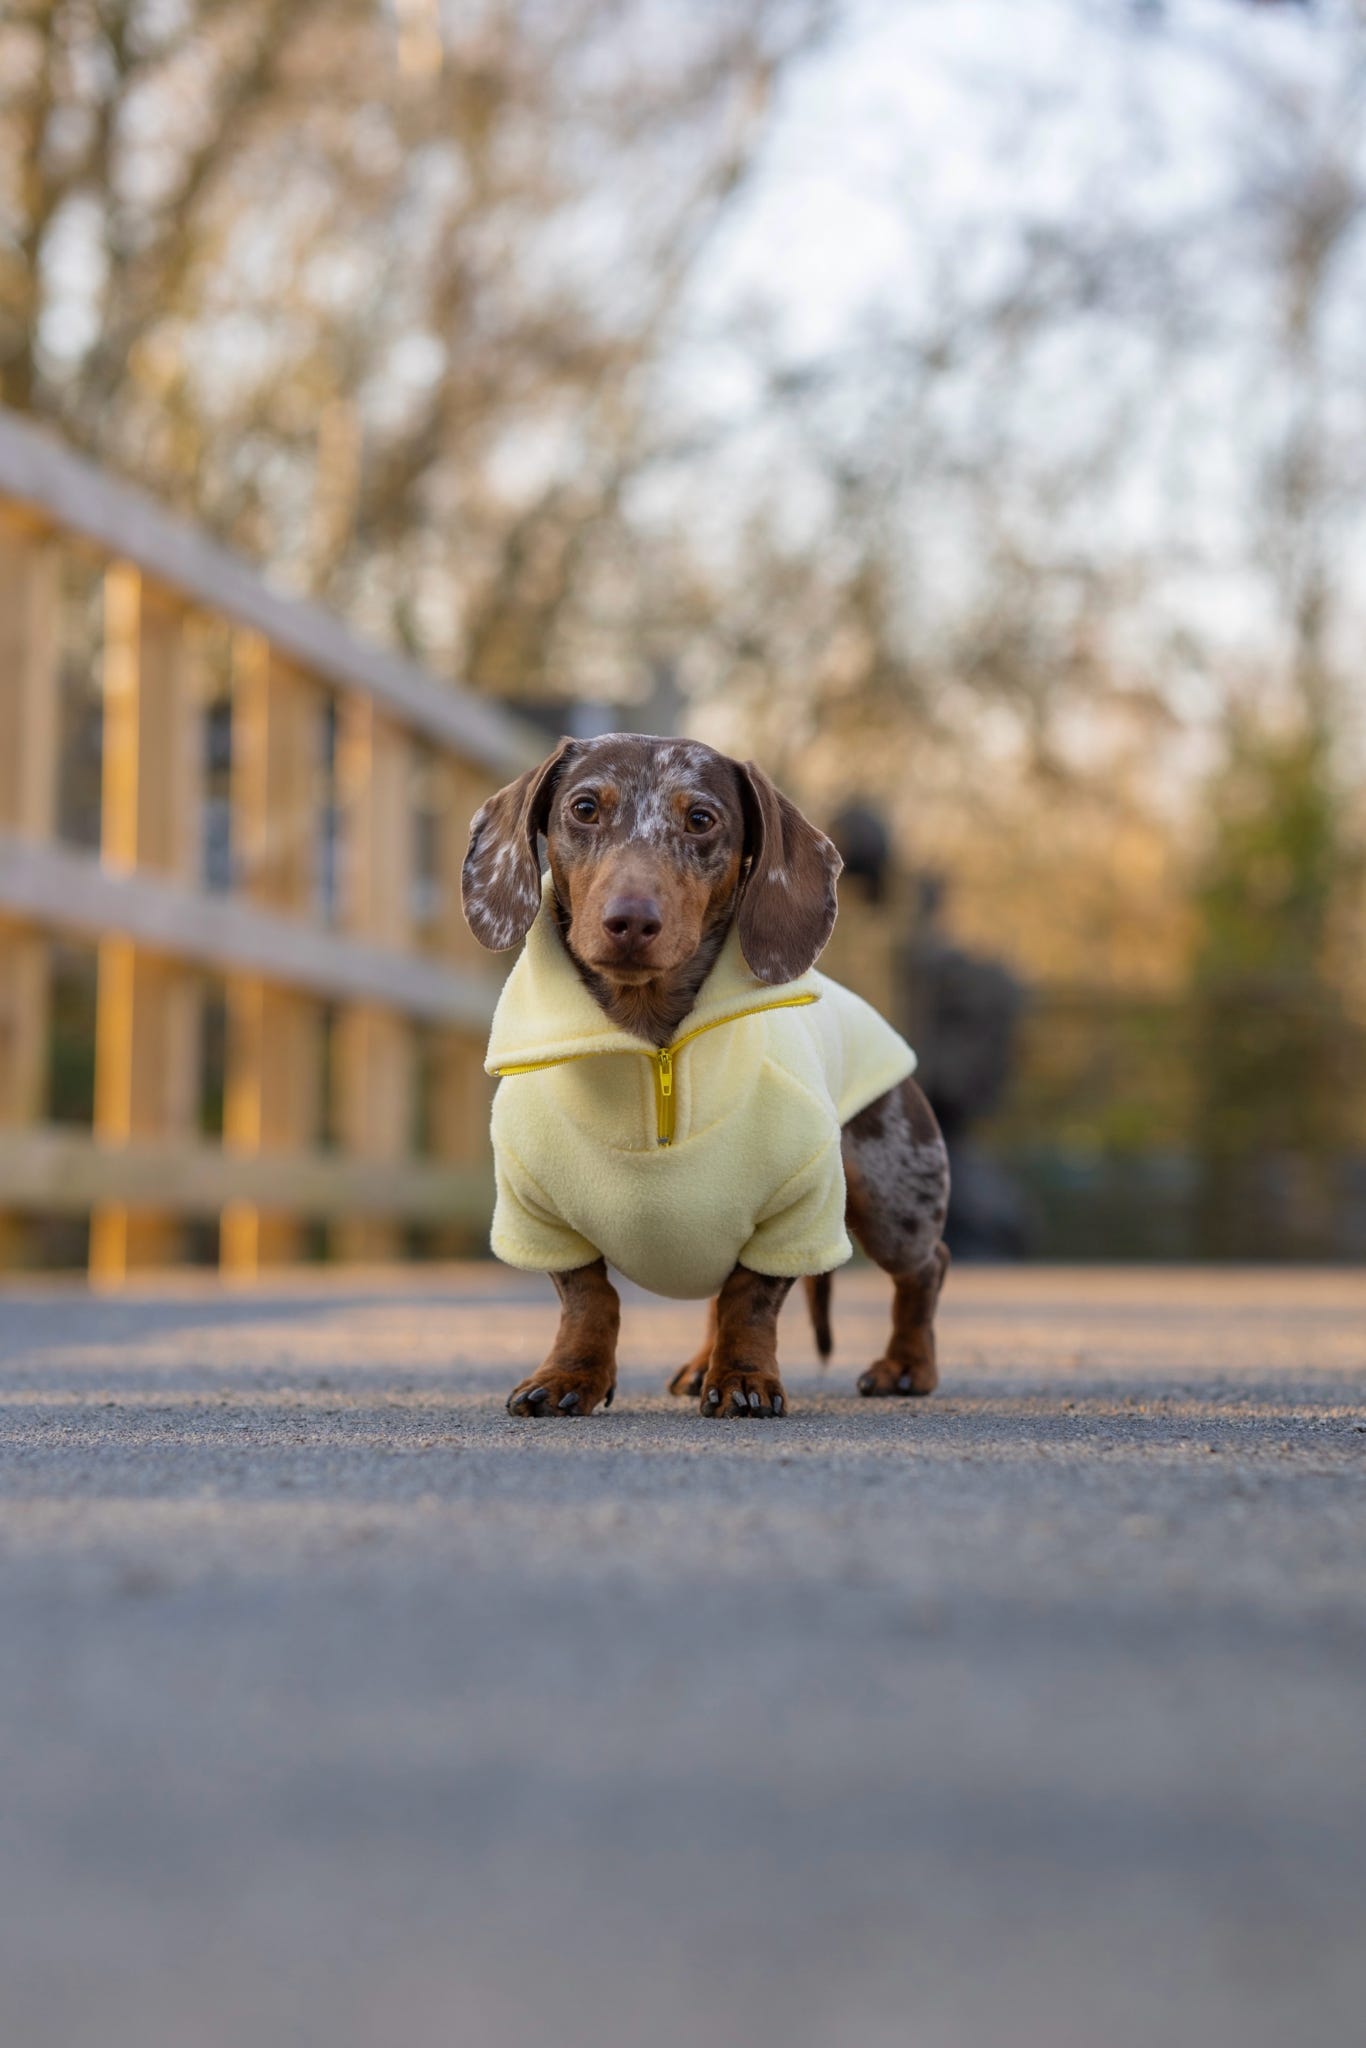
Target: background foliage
(966,412)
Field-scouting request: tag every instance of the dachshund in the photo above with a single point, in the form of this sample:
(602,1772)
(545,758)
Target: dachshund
(677,875)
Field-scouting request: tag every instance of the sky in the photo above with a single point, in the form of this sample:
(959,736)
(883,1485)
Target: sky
(923,140)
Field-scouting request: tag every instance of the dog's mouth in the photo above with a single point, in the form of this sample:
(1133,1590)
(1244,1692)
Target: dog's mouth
(626,973)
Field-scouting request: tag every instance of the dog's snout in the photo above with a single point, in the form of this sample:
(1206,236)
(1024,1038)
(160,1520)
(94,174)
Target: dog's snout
(632,920)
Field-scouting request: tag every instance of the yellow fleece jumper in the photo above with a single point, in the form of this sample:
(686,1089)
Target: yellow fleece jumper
(674,1165)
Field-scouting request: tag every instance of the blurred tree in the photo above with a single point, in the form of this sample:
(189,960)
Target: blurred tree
(1275,1054)
(374,294)
(1094,456)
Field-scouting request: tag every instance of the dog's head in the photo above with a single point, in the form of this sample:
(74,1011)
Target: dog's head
(653,844)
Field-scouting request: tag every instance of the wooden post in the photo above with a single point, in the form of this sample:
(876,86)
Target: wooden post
(461,1093)
(147,1009)
(373,1068)
(460,790)
(118,849)
(239,1235)
(30,603)
(29,655)
(273,1096)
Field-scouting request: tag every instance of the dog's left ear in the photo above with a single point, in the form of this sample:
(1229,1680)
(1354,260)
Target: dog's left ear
(787,902)
(500,882)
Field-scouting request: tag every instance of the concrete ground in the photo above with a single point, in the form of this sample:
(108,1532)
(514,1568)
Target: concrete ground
(337,1708)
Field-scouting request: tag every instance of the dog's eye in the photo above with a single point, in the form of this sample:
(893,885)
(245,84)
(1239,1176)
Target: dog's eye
(700,819)
(585,809)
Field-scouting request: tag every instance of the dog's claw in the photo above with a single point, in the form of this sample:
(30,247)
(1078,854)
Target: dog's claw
(905,1383)
(754,1401)
(738,1400)
(777,1404)
(568,1403)
(714,1398)
(609,1397)
(534,1396)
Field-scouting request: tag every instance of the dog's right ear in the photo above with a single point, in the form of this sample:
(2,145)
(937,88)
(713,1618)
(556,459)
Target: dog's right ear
(500,882)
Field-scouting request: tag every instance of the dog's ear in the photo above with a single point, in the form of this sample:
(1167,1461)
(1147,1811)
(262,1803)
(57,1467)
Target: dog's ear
(787,902)
(500,882)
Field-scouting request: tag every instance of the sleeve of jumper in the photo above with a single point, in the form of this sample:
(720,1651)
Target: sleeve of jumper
(801,1230)
(526,1232)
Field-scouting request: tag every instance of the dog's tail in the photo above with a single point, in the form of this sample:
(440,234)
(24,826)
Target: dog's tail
(818,1302)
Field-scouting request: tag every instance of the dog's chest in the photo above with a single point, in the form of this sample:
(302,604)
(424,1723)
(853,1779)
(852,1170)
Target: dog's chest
(673,1217)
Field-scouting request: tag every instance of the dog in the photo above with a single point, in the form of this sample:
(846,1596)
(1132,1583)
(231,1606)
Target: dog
(680,1095)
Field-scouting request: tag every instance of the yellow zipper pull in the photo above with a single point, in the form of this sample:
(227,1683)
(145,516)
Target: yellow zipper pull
(664,1082)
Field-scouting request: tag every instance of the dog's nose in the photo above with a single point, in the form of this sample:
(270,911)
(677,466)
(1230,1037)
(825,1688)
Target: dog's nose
(632,920)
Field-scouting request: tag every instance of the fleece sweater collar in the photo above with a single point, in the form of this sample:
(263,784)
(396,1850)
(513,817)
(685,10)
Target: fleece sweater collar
(545,1013)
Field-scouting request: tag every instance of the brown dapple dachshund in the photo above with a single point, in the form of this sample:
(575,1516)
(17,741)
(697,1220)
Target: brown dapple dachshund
(656,848)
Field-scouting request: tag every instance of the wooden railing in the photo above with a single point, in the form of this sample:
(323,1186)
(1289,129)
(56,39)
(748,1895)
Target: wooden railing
(274,818)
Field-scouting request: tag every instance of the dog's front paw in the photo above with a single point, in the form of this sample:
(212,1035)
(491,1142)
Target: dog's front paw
(563,1390)
(742,1390)
(898,1377)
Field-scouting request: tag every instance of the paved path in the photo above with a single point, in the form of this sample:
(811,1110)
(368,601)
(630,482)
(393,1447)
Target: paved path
(338,1710)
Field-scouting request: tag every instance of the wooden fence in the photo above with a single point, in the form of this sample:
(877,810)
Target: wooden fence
(270,842)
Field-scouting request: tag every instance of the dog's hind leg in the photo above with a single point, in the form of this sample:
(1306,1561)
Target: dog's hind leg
(897,1173)
(688,1379)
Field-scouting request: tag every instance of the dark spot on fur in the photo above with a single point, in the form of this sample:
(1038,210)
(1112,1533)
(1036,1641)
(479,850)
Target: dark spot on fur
(870,1120)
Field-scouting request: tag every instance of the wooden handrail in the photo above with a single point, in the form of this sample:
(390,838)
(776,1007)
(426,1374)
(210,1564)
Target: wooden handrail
(38,473)
(68,1172)
(61,890)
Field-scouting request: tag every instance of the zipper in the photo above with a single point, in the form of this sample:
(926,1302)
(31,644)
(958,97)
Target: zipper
(664,1095)
(663,1060)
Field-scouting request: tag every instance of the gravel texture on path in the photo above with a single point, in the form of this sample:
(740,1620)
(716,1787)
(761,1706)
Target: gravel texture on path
(339,1709)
